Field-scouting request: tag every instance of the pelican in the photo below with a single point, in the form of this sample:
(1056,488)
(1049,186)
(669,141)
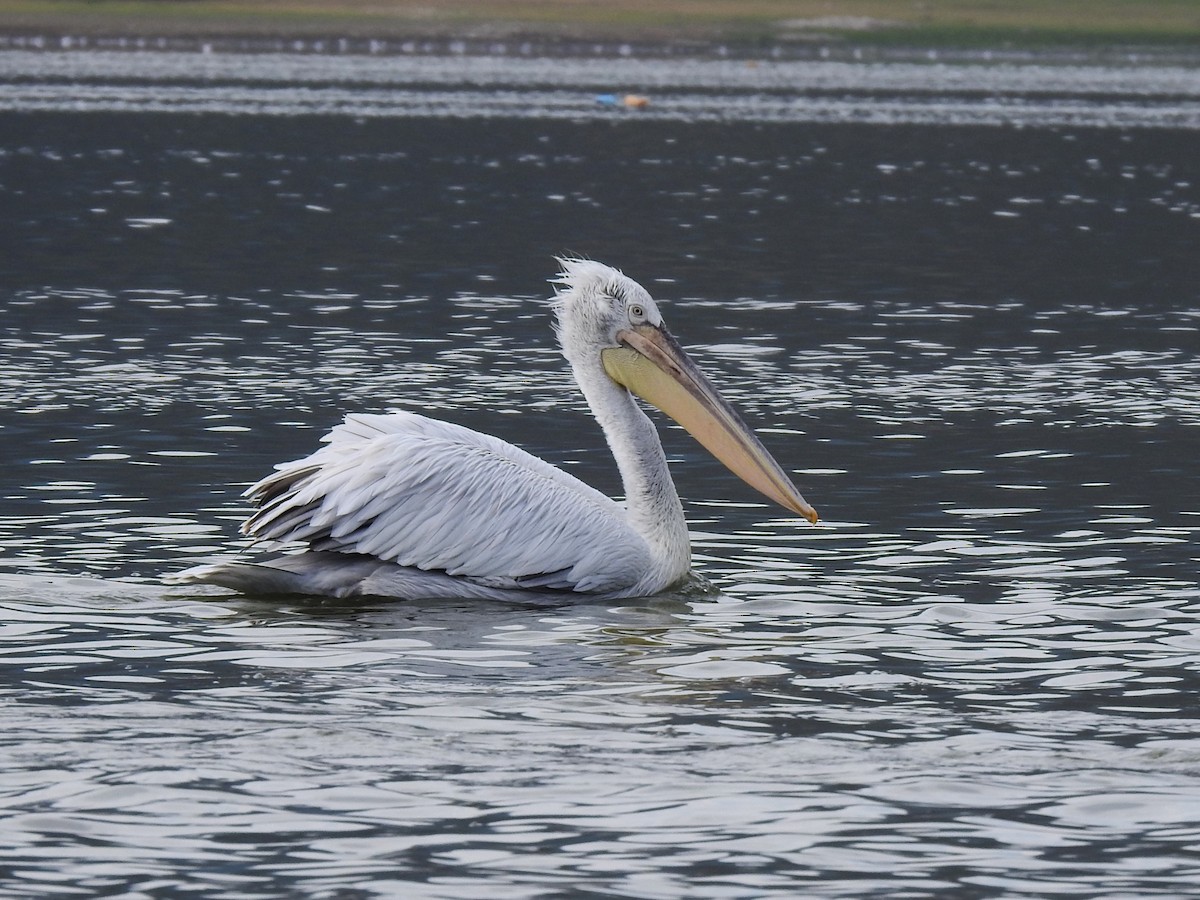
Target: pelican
(401,505)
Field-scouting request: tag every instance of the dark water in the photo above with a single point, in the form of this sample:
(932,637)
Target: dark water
(975,347)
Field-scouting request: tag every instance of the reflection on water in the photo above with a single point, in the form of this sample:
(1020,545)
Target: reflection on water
(861,740)
(974,349)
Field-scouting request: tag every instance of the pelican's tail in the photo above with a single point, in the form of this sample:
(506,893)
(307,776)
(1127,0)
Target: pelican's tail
(322,573)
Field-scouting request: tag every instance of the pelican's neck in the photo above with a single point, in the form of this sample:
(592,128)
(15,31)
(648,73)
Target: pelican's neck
(651,501)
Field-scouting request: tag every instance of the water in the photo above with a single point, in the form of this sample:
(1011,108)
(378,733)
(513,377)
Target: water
(1097,93)
(975,347)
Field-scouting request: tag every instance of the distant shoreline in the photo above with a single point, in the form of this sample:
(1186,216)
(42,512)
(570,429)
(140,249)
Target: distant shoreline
(597,47)
(1157,31)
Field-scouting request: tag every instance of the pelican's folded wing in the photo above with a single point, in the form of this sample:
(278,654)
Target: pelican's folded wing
(437,496)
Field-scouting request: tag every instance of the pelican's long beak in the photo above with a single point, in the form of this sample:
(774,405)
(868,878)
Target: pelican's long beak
(651,364)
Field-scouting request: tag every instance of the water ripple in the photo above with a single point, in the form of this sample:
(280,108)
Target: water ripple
(652,740)
(976,675)
(546,88)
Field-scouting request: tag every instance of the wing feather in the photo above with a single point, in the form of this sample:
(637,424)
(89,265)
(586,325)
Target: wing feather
(419,492)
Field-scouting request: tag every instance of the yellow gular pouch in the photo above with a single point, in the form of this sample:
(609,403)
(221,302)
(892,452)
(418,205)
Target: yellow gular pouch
(651,365)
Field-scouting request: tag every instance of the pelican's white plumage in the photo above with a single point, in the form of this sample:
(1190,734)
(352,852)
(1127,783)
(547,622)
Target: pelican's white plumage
(407,506)
(430,495)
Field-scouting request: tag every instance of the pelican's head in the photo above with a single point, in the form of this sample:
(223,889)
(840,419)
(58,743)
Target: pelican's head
(595,303)
(607,318)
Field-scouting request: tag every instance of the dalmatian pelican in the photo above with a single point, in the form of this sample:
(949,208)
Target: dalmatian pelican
(402,505)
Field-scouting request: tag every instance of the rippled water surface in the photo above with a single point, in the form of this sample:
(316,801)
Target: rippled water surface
(1115,93)
(975,347)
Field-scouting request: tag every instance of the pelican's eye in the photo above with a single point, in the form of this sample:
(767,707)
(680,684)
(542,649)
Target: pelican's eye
(637,312)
